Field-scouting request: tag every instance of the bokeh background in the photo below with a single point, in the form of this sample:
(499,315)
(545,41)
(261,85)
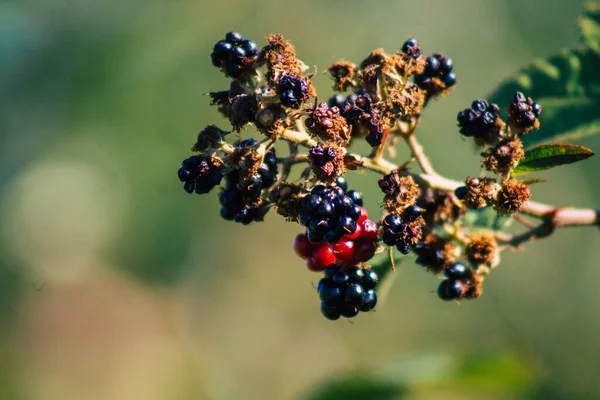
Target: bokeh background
(115,284)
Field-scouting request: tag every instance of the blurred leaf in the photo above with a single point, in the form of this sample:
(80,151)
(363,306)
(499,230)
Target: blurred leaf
(548,156)
(589,25)
(486,218)
(359,386)
(567,86)
(531,181)
(386,277)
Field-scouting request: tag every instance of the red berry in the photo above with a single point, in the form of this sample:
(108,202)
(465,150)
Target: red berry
(344,251)
(368,230)
(363,215)
(322,256)
(353,236)
(314,267)
(364,251)
(302,246)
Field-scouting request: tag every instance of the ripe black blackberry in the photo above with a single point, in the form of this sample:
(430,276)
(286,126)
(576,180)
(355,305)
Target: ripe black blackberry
(200,173)
(460,283)
(234,55)
(328,213)
(241,199)
(437,76)
(292,90)
(340,101)
(404,231)
(481,122)
(411,48)
(347,291)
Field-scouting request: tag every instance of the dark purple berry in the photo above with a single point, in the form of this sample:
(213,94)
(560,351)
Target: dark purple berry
(233,37)
(349,312)
(330,312)
(340,277)
(342,183)
(370,279)
(330,293)
(356,197)
(354,295)
(456,272)
(450,290)
(369,301)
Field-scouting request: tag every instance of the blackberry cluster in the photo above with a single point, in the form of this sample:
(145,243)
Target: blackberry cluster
(347,291)
(234,54)
(329,213)
(200,174)
(240,201)
(457,283)
(402,232)
(479,121)
(362,114)
(439,67)
(523,112)
(292,90)
(340,101)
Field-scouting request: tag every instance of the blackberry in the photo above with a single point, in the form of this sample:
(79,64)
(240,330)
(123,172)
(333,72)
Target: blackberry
(523,114)
(347,291)
(450,290)
(328,213)
(200,173)
(401,232)
(411,48)
(363,117)
(292,90)
(341,183)
(234,55)
(456,271)
(241,199)
(438,75)
(481,122)
(356,197)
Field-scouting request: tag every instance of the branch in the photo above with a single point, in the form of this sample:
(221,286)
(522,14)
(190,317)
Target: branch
(561,217)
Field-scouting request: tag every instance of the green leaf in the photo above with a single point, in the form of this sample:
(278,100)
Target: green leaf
(531,181)
(386,276)
(589,25)
(548,156)
(359,386)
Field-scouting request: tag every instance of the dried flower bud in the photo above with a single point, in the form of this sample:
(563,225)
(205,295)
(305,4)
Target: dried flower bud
(327,162)
(243,110)
(434,253)
(328,124)
(406,102)
(286,198)
(523,115)
(503,157)
(280,57)
(400,192)
(366,119)
(343,73)
(482,250)
(479,192)
(474,288)
(511,197)
(209,138)
(271,120)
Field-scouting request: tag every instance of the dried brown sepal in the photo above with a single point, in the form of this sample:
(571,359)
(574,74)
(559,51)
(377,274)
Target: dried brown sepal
(405,102)
(327,124)
(434,253)
(286,198)
(209,138)
(404,192)
(482,250)
(222,101)
(511,197)
(246,161)
(352,163)
(371,68)
(439,207)
(502,158)
(473,287)
(243,110)
(407,65)
(280,57)
(438,88)
(480,192)
(343,74)
(272,120)
(327,162)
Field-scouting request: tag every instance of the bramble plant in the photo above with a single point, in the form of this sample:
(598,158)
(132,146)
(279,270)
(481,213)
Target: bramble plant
(425,213)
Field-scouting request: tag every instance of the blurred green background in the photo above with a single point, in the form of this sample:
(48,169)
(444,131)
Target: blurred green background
(115,284)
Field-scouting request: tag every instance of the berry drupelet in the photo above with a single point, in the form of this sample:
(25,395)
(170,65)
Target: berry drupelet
(404,231)
(523,114)
(234,55)
(200,174)
(292,90)
(438,75)
(344,292)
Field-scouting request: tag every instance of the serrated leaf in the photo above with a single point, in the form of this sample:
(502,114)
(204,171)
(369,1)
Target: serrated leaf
(359,386)
(548,156)
(589,25)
